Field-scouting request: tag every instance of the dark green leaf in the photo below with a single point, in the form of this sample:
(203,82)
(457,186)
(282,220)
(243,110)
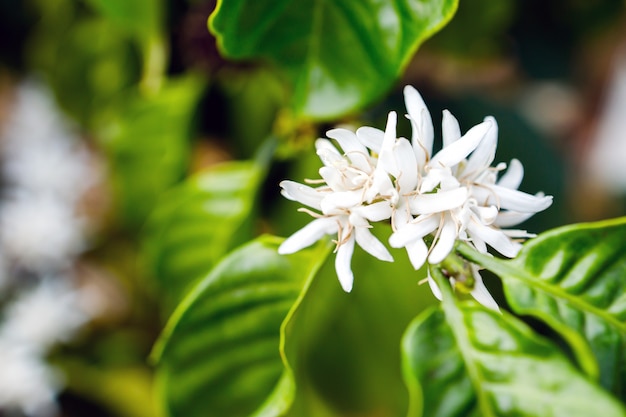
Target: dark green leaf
(196,223)
(148,141)
(470,361)
(219,354)
(573,278)
(338,55)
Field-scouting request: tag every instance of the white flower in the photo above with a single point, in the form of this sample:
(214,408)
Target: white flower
(459,196)
(354,192)
(432,200)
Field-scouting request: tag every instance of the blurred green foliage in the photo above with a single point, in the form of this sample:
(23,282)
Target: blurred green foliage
(196,223)
(148,143)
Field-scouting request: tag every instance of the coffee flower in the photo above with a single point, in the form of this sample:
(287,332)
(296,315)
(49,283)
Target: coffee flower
(348,198)
(431,200)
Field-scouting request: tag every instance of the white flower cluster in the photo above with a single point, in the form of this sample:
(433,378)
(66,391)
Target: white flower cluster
(439,198)
(45,172)
(37,320)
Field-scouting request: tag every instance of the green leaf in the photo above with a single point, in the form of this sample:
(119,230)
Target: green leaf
(434,370)
(148,143)
(343,347)
(573,278)
(338,55)
(470,361)
(199,221)
(219,354)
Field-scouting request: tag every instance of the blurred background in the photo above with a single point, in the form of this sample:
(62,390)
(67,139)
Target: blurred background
(104,114)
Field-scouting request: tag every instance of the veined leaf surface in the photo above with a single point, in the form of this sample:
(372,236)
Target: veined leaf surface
(199,221)
(338,55)
(466,360)
(574,279)
(220,353)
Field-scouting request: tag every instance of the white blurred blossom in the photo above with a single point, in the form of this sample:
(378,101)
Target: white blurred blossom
(27,384)
(43,316)
(45,172)
(431,200)
(39,230)
(40,150)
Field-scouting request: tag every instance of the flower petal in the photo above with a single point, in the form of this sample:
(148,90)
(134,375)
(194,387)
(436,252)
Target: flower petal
(333,178)
(417,251)
(479,244)
(518,234)
(421,122)
(510,218)
(302,193)
(401,215)
(342,264)
(438,202)
(371,245)
(381,186)
(509,199)
(413,231)
(327,151)
(494,238)
(385,159)
(376,212)
(353,149)
(308,235)
(406,165)
(485,152)
(450,129)
(481,293)
(437,176)
(371,137)
(445,243)
(458,151)
(434,288)
(513,176)
(487,215)
(333,202)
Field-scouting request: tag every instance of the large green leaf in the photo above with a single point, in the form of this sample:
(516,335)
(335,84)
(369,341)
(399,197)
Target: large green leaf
(338,55)
(148,142)
(466,360)
(199,221)
(219,354)
(344,347)
(574,278)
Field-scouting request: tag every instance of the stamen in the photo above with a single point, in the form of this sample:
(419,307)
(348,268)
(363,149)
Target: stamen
(318,181)
(310,213)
